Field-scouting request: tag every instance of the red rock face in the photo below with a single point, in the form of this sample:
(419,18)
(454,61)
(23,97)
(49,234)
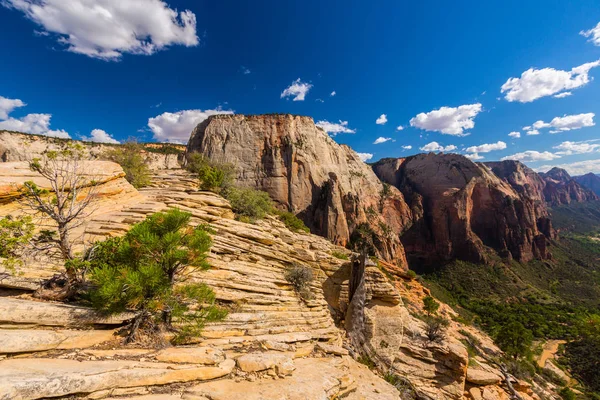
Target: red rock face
(562,189)
(463,210)
(589,181)
(307,173)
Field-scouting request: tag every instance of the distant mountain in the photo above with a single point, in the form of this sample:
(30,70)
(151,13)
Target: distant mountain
(561,189)
(590,181)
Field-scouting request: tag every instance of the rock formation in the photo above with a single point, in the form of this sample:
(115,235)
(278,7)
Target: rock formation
(460,209)
(589,181)
(307,173)
(562,189)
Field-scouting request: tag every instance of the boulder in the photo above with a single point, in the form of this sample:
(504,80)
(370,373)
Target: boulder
(331,349)
(191,355)
(255,362)
(482,378)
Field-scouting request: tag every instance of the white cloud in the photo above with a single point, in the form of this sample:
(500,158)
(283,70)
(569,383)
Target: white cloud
(333,93)
(399,128)
(448,120)
(382,140)
(100,136)
(177,127)
(364,157)
(486,148)
(593,34)
(333,128)
(533,132)
(570,148)
(567,123)
(474,156)
(515,135)
(536,83)
(576,168)
(435,146)
(532,155)
(297,90)
(37,124)
(408,147)
(381,120)
(562,95)
(320,101)
(107,29)
(245,71)
(7,105)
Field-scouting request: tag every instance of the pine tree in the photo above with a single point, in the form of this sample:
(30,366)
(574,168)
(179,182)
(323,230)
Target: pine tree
(148,271)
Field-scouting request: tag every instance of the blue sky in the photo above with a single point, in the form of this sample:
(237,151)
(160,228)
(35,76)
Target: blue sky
(152,69)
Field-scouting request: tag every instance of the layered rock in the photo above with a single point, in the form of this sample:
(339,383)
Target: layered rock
(16,146)
(307,173)
(590,181)
(561,189)
(460,209)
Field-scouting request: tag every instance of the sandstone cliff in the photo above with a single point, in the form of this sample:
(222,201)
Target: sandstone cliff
(307,173)
(461,209)
(590,181)
(16,146)
(562,189)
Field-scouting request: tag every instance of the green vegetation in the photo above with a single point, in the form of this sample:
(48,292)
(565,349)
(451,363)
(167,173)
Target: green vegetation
(291,221)
(249,204)
(129,157)
(147,271)
(366,360)
(514,339)
(213,176)
(340,255)
(435,329)
(15,235)
(411,274)
(300,277)
(430,305)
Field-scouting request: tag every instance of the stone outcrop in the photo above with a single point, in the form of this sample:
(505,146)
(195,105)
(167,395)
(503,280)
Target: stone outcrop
(561,189)
(590,181)
(307,173)
(461,209)
(16,146)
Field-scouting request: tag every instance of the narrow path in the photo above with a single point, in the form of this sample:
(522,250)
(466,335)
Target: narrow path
(549,350)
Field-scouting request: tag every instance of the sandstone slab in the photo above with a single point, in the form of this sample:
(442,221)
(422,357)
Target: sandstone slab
(482,378)
(255,362)
(191,355)
(30,340)
(42,377)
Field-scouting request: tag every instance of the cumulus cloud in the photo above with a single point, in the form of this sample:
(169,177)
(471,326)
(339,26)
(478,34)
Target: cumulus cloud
(575,168)
(7,105)
(107,29)
(487,147)
(381,120)
(448,120)
(583,147)
(100,136)
(407,147)
(593,34)
(536,83)
(364,157)
(297,90)
(177,127)
(515,135)
(474,156)
(382,140)
(567,123)
(245,70)
(562,95)
(333,93)
(435,146)
(532,155)
(399,128)
(37,124)
(333,129)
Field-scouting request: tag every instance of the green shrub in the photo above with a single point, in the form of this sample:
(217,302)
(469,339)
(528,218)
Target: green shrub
(430,305)
(567,394)
(15,234)
(300,277)
(213,176)
(411,274)
(435,329)
(293,223)
(251,203)
(129,157)
(138,273)
(339,254)
(366,360)
(514,339)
